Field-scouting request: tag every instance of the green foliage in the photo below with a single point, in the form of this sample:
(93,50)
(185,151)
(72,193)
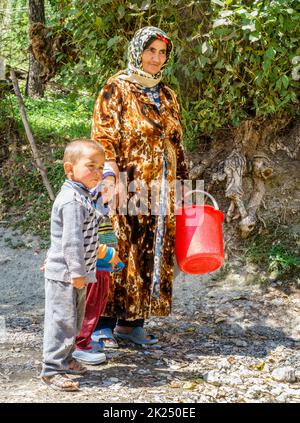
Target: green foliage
(56,117)
(233,60)
(13,32)
(54,120)
(276,251)
(283,261)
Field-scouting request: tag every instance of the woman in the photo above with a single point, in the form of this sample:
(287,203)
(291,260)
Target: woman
(136,119)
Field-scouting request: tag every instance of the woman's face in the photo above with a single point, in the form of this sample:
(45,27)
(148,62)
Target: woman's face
(154,57)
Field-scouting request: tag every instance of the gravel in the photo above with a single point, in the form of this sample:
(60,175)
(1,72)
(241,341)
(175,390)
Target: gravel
(227,340)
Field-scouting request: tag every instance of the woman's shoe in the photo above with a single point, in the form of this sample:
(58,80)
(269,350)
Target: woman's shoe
(105,338)
(138,336)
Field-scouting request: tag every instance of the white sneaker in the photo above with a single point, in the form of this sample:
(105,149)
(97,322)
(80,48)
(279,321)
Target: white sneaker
(89,356)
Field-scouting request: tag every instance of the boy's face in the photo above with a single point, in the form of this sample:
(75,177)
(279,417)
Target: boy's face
(108,189)
(88,169)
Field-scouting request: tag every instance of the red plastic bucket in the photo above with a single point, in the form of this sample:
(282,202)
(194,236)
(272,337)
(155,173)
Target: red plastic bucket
(199,241)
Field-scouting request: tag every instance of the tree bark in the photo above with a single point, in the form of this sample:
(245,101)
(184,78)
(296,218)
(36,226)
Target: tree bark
(244,165)
(34,85)
(31,140)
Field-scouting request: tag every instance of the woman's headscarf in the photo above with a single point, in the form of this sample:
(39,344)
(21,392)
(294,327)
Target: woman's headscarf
(139,42)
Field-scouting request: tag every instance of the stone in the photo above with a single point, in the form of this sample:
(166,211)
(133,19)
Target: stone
(284,374)
(296,332)
(282,397)
(4,259)
(212,377)
(240,343)
(113,379)
(143,371)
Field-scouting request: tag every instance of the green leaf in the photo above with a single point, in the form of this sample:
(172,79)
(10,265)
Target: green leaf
(202,60)
(220,22)
(121,11)
(285,81)
(226,13)
(219,65)
(204,47)
(270,53)
(250,27)
(278,84)
(112,41)
(254,36)
(218,2)
(242,12)
(266,65)
(99,23)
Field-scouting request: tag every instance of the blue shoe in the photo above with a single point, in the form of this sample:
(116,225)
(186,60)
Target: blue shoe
(105,338)
(89,356)
(137,335)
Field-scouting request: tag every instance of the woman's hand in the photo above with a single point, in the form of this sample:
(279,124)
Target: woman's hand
(114,166)
(120,188)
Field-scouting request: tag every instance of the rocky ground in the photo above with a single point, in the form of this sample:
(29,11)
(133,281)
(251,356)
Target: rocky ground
(227,340)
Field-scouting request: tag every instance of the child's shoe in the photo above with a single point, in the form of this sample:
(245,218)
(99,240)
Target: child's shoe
(91,356)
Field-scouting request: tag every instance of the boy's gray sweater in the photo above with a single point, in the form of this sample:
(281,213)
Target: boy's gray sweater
(74,239)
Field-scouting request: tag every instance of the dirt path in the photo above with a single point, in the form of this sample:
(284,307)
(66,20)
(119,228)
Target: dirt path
(226,341)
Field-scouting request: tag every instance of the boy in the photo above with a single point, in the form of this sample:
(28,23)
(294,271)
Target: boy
(97,293)
(71,262)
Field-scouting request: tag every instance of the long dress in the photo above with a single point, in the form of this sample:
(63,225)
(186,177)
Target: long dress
(146,142)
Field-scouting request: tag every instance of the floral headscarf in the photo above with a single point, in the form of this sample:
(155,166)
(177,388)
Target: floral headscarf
(134,71)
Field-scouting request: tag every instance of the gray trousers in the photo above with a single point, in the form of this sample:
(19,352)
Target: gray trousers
(64,314)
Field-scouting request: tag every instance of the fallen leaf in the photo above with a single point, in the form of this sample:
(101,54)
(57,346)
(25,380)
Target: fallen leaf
(220,319)
(259,366)
(190,329)
(175,384)
(190,386)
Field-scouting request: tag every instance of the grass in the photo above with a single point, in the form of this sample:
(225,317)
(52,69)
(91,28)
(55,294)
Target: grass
(276,250)
(56,116)
(54,120)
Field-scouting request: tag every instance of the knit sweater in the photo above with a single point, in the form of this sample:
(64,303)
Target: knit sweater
(74,238)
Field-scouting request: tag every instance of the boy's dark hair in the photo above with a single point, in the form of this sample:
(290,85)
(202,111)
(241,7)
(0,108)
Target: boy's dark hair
(76,148)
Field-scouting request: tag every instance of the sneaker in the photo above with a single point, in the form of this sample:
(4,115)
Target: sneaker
(96,346)
(89,356)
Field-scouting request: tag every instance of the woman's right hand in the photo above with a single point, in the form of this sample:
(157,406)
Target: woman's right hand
(120,188)
(114,166)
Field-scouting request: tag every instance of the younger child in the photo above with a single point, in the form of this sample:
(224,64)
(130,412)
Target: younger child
(70,262)
(108,261)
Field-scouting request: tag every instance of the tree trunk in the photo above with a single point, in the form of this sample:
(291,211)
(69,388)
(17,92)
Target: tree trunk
(242,165)
(31,140)
(34,85)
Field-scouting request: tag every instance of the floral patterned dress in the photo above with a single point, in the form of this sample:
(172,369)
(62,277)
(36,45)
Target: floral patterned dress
(144,136)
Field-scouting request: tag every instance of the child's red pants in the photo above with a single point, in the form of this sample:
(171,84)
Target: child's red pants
(96,299)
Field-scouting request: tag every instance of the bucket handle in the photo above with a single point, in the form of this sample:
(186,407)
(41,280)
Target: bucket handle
(206,193)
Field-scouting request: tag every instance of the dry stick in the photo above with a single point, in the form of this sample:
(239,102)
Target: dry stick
(34,149)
